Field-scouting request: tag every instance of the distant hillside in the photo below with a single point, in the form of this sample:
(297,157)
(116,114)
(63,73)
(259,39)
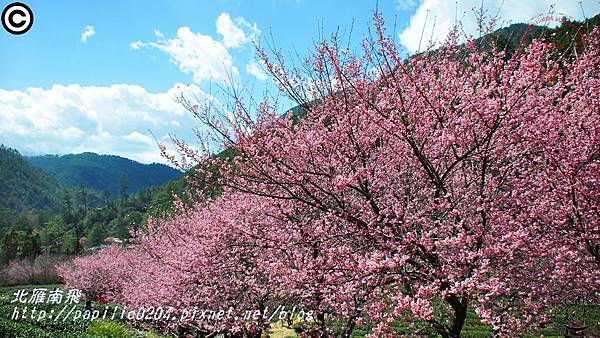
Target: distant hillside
(104,172)
(25,187)
(519,35)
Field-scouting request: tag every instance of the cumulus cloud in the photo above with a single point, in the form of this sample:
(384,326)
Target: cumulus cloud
(232,32)
(88,32)
(198,54)
(203,56)
(106,120)
(446,13)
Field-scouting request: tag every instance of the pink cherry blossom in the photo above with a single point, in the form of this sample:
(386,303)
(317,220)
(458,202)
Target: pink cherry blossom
(462,177)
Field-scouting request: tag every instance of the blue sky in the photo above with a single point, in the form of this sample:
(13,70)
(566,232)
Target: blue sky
(97,75)
(52,52)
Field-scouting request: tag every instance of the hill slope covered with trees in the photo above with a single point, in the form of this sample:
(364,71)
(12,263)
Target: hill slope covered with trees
(23,186)
(104,172)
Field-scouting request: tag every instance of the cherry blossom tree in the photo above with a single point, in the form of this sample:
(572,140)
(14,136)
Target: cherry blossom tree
(413,188)
(247,253)
(104,273)
(435,168)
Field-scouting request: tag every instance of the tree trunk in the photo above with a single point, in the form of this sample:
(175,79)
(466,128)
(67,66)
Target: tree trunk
(349,327)
(460,314)
(322,327)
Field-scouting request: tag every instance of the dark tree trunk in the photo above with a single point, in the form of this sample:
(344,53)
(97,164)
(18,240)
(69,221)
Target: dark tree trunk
(322,327)
(460,314)
(349,327)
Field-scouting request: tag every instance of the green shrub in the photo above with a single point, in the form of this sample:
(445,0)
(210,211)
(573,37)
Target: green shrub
(109,329)
(9,328)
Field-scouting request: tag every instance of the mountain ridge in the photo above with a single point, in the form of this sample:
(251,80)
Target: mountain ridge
(104,172)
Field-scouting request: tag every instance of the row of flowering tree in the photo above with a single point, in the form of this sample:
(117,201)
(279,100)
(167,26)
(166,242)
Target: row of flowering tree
(406,189)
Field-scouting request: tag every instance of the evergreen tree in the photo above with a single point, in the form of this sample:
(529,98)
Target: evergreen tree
(83,204)
(31,244)
(96,235)
(69,243)
(105,194)
(123,186)
(67,208)
(5,218)
(9,246)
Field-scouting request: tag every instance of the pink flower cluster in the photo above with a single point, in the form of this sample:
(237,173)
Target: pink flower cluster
(460,178)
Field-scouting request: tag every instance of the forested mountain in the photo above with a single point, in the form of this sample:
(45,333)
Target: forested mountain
(24,186)
(568,35)
(40,216)
(110,173)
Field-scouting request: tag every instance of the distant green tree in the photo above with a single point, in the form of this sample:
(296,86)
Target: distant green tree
(105,195)
(123,186)
(69,243)
(95,235)
(53,236)
(10,246)
(5,218)
(21,222)
(67,208)
(83,204)
(31,244)
(78,229)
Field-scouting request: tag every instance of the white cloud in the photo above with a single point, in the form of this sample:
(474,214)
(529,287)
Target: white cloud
(444,14)
(135,136)
(106,120)
(71,133)
(88,32)
(405,4)
(136,45)
(201,55)
(232,32)
(253,68)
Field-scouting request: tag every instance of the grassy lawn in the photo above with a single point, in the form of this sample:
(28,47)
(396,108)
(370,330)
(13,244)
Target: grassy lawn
(45,327)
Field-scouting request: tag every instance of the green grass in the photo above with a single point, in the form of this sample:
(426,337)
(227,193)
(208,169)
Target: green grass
(109,328)
(473,328)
